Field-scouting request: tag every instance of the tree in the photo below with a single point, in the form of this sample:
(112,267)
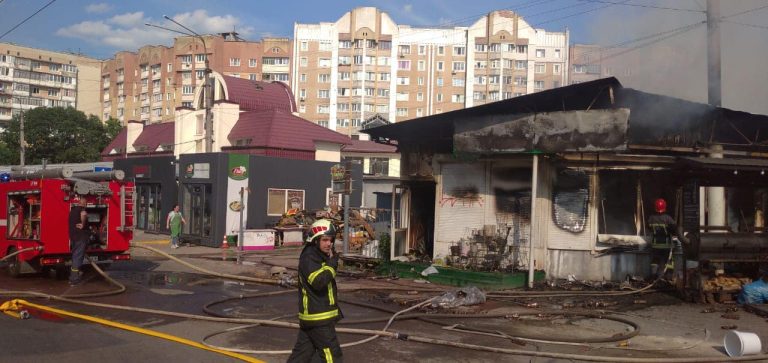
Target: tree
(60,135)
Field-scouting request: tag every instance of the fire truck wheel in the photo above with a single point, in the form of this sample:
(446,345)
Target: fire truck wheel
(14,265)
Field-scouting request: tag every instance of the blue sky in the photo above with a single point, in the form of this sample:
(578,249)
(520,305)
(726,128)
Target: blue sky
(99,28)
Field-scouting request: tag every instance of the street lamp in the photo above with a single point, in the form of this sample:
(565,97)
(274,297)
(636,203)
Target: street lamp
(207,86)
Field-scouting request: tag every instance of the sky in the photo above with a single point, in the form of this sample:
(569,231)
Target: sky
(676,65)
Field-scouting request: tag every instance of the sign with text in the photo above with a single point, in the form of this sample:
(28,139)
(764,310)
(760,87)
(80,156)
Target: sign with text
(341,179)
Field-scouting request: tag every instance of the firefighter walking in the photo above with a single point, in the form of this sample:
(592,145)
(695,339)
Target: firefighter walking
(318,307)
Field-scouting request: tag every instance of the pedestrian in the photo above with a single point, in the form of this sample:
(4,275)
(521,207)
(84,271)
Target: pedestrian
(318,297)
(78,238)
(174,222)
(662,227)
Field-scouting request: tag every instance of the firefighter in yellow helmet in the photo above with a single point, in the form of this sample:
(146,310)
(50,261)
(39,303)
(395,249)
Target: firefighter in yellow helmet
(318,297)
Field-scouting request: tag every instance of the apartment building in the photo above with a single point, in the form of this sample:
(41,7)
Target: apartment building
(31,78)
(148,85)
(365,64)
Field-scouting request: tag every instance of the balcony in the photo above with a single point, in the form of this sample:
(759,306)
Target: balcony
(120,78)
(144,74)
(156,75)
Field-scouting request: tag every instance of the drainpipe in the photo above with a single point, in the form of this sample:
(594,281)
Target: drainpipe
(716,196)
(534,189)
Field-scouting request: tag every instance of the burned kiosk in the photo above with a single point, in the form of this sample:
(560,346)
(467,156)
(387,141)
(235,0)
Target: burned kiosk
(564,181)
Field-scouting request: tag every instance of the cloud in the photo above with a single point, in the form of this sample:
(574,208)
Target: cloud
(128,32)
(128,19)
(98,8)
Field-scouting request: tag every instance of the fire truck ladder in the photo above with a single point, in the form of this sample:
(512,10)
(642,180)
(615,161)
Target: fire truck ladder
(126,208)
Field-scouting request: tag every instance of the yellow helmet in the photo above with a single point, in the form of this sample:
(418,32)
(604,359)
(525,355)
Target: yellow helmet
(319,228)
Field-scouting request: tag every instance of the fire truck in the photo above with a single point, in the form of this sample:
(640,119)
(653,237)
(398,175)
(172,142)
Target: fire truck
(34,215)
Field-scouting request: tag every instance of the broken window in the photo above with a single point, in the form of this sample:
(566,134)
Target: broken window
(570,200)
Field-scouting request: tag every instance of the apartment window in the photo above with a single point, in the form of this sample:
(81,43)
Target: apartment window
(156,85)
(507,80)
(402,112)
(402,96)
(186,59)
(302,108)
(556,68)
(323,78)
(303,61)
(579,68)
(538,85)
(303,93)
(480,48)
(481,64)
(557,53)
(344,76)
(419,112)
(420,81)
(168,96)
(355,107)
(382,108)
(384,76)
(53,92)
(521,64)
(508,63)
(457,98)
(303,77)
(459,50)
(184,75)
(325,45)
(323,109)
(440,50)
(200,74)
(200,58)
(369,91)
(540,68)
(323,123)
(521,81)
(480,79)
(384,45)
(169,67)
(510,48)
(324,62)
(495,64)
(522,49)
(344,44)
(495,47)
(420,96)
(404,65)
(304,46)
(323,93)
(494,79)
(383,61)
(342,107)
(440,66)
(421,65)
(281,200)
(457,82)
(439,97)
(282,77)
(540,53)
(342,92)
(275,61)
(252,62)
(379,166)
(187,89)
(459,66)
(403,81)
(493,95)
(252,77)
(404,49)
(422,49)
(439,82)
(345,60)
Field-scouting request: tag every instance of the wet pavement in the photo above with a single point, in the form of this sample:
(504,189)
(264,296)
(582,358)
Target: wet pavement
(669,327)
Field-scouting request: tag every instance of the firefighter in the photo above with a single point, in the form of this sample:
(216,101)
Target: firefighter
(78,238)
(662,227)
(318,297)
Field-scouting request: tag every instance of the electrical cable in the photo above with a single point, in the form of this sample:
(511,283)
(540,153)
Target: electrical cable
(27,18)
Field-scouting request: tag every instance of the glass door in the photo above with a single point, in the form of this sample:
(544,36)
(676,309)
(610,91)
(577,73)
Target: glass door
(196,209)
(149,213)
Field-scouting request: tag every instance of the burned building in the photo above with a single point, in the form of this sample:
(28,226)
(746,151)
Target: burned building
(564,181)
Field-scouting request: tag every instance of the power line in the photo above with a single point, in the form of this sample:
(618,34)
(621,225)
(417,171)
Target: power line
(29,17)
(745,24)
(745,12)
(642,5)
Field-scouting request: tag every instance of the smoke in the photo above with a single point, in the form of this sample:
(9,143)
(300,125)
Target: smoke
(677,66)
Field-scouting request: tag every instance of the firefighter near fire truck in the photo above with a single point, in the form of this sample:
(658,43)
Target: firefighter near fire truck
(34,206)
(318,297)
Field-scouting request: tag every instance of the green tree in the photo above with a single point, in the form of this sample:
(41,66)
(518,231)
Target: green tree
(60,135)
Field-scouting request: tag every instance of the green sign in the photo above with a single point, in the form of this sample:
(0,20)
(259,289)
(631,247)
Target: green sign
(238,166)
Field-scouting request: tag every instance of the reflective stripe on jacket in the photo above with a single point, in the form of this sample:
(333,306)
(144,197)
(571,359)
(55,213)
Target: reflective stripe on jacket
(317,287)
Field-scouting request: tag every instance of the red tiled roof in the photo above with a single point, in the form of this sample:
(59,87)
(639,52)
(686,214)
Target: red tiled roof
(155,135)
(366,146)
(282,130)
(118,143)
(259,96)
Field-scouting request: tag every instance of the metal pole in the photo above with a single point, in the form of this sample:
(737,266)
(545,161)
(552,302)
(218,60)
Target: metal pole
(713,54)
(346,223)
(240,233)
(534,190)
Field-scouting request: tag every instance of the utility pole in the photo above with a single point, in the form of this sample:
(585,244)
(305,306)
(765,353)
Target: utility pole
(714,74)
(208,85)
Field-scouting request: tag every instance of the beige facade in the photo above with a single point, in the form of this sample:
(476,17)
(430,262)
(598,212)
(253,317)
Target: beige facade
(150,84)
(31,78)
(365,64)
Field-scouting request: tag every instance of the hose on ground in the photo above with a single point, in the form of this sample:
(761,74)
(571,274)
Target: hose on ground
(8,256)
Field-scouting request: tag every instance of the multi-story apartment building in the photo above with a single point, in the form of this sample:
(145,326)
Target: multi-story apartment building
(365,64)
(31,78)
(150,84)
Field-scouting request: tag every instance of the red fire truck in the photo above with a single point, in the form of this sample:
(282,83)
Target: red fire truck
(34,210)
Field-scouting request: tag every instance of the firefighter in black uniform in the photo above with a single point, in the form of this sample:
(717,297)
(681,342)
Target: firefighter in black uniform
(318,297)
(663,227)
